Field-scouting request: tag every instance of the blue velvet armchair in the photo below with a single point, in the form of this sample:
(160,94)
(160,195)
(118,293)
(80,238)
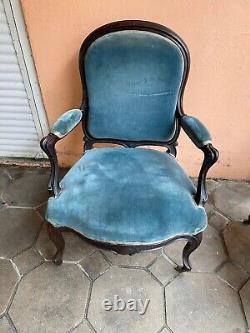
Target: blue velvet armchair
(130,199)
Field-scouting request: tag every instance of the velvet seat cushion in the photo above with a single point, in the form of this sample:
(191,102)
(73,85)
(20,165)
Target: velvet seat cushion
(127,196)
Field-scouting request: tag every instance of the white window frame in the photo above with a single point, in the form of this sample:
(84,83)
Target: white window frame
(22,46)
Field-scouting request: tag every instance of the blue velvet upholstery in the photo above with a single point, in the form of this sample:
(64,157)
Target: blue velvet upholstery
(66,123)
(127,196)
(133,80)
(196,131)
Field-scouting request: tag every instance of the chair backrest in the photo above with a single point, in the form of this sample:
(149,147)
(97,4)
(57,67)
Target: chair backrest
(133,75)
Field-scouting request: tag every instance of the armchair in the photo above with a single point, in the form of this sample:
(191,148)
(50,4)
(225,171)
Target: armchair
(130,199)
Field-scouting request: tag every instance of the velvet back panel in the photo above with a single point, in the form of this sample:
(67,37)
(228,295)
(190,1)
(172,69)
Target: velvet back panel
(133,79)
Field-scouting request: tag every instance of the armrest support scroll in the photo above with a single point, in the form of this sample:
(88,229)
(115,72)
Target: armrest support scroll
(211,155)
(48,146)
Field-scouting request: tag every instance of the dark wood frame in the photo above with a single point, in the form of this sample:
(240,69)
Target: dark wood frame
(210,153)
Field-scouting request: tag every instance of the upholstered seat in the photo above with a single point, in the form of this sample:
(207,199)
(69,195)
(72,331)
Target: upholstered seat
(127,196)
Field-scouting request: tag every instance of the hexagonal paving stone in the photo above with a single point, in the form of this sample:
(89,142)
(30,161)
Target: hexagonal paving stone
(209,255)
(212,185)
(18,230)
(233,199)
(84,327)
(94,264)
(217,221)
(202,303)
(41,209)
(166,330)
(8,280)
(28,188)
(245,297)
(163,270)
(237,239)
(5,326)
(50,299)
(75,247)
(27,260)
(233,275)
(4,179)
(127,284)
(209,208)
(141,259)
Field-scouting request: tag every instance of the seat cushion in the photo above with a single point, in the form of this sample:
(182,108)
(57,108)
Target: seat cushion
(127,196)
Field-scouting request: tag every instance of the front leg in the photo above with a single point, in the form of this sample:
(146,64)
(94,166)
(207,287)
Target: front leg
(56,236)
(192,244)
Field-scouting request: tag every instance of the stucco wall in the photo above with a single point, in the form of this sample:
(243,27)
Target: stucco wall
(218,91)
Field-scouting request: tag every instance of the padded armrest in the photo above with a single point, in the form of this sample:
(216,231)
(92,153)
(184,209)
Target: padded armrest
(66,123)
(196,131)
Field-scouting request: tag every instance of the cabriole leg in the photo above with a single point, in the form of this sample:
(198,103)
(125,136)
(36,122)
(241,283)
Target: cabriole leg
(192,244)
(56,236)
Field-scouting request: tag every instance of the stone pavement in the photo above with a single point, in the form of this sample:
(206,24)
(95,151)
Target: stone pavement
(38,297)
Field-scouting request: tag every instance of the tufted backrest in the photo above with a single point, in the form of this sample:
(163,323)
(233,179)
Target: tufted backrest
(132,80)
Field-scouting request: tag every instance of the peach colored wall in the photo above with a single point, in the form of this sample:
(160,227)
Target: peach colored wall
(218,91)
